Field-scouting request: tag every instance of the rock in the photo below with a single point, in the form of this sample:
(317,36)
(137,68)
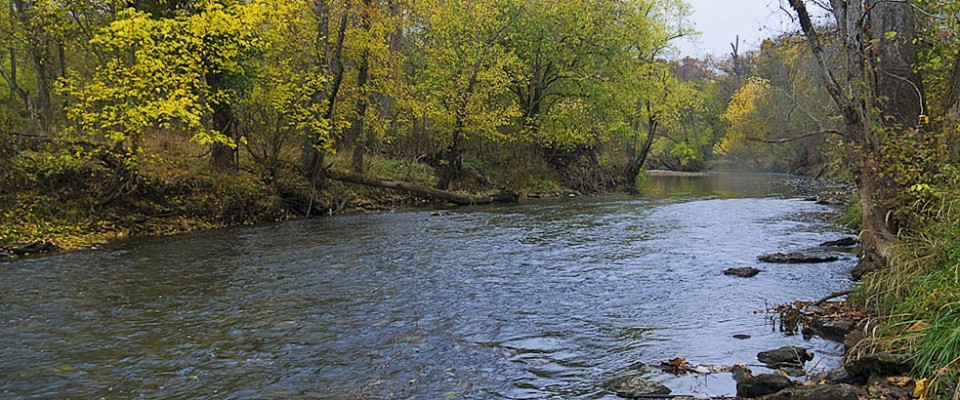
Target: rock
(890,388)
(852,338)
(785,357)
(845,242)
(835,376)
(830,201)
(819,392)
(882,364)
(796,258)
(830,327)
(760,385)
(38,247)
(812,198)
(634,386)
(743,272)
(864,267)
(741,336)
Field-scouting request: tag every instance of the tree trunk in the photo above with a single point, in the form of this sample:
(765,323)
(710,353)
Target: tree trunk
(312,156)
(356,126)
(451,166)
(952,105)
(222,156)
(14,86)
(899,88)
(635,165)
(456,198)
(44,86)
(737,73)
(38,44)
(861,142)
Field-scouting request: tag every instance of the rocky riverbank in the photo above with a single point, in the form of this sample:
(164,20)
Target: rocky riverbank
(866,373)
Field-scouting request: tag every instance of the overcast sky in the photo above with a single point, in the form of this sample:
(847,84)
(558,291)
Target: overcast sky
(720,21)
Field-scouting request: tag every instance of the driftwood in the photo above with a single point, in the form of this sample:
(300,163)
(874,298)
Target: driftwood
(503,196)
(830,296)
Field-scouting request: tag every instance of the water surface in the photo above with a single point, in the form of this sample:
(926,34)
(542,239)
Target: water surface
(540,300)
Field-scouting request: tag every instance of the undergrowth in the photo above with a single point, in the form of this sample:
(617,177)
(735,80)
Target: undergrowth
(918,293)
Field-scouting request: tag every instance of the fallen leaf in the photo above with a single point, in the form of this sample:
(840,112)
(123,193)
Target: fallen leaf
(920,392)
(901,381)
(65,368)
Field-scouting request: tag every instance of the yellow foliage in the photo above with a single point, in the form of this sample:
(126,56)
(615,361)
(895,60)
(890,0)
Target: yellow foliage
(920,392)
(157,74)
(744,118)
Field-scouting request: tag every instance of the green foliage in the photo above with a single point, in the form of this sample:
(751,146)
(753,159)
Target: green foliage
(462,76)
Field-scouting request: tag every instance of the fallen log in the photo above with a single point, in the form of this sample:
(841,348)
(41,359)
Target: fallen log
(503,196)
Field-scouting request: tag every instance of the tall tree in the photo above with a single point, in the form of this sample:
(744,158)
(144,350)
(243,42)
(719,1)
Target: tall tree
(854,89)
(899,89)
(463,76)
(159,75)
(328,55)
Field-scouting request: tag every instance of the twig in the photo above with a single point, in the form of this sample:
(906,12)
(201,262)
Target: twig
(830,297)
(793,138)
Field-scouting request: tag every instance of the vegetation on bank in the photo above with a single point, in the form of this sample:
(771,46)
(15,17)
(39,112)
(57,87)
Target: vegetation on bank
(130,119)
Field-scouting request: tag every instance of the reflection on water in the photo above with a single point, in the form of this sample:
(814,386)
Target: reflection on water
(726,186)
(540,300)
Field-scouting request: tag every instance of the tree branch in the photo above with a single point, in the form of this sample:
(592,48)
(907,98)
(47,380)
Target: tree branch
(793,138)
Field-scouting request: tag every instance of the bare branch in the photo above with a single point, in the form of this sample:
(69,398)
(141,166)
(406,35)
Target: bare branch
(793,138)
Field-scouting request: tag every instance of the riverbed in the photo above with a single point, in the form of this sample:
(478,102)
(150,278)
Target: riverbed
(541,300)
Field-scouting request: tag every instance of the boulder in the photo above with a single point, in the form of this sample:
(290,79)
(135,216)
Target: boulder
(829,201)
(864,267)
(833,328)
(845,242)
(785,357)
(882,364)
(819,392)
(796,258)
(852,338)
(741,336)
(37,247)
(743,272)
(632,386)
(751,386)
(834,376)
(891,388)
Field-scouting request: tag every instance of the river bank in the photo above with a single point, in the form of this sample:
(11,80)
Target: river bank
(63,204)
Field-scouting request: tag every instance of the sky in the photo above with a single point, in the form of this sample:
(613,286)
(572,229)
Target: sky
(720,21)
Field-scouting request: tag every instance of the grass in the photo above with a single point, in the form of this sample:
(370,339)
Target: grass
(918,294)
(938,349)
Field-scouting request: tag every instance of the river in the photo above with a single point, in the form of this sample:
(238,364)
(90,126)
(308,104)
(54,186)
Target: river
(546,299)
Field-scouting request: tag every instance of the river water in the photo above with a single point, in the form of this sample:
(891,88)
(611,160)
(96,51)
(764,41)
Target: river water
(545,299)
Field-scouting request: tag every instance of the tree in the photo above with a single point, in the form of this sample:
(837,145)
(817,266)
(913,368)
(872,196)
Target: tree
(899,88)
(165,73)
(39,26)
(462,73)
(854,88)
(286,102)
(746,121)
(657,97)
(374,46)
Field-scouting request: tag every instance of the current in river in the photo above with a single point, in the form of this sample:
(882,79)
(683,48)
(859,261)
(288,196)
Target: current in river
(542,300)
